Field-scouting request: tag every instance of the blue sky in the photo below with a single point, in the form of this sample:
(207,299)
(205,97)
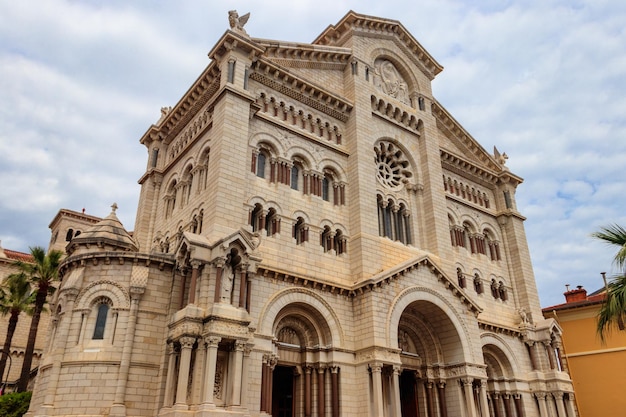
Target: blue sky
(544,81)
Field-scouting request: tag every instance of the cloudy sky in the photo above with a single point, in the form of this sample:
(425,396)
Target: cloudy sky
(545,81)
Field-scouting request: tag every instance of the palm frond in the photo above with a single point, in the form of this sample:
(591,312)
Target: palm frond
(613,311)
(614,235)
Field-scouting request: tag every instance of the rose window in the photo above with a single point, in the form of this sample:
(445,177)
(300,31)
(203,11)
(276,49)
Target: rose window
(392,166)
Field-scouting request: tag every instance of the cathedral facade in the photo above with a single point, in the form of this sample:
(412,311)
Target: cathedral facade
(316,236)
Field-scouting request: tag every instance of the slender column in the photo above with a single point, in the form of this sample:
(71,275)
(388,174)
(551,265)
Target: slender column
(194,279)
(550,353)
(541,399)
(307,391)
(212,343)
(469,397)
(243,281)
(560,405)
(377,382)
(236,369)
(270,384)
(484,406)
(519,406)
(334,392)
(186,344)
(119,407)
(321,387)
(429,398)
(441,391)
(199,367)
(570,404)
(59,351)
(169,382)
(83,325)
(183,287)
(533,355)
(219,267)
(495,401)
(244,379)
(264,382)
(395,381)
(507,405)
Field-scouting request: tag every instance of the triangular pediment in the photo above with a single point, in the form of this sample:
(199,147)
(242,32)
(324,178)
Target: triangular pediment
(197,247)
(355,23)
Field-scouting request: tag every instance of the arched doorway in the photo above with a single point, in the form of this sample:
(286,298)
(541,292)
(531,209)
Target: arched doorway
(429,342)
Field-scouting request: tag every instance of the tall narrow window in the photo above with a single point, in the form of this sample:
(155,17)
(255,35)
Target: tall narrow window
(294,177)
(300,231)
(260,165)
(101,321)
(256,218)
(326,239)
(325,189)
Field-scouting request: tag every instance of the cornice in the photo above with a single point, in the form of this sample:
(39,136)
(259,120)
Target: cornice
(280,79)
(377,281)
(297,55)
(375,26)
(499,329)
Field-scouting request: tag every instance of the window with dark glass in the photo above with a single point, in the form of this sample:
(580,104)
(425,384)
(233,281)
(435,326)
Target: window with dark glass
(101,321)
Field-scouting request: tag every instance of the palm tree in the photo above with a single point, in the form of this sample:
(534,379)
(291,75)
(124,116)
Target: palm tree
(16,296)
(613,311)
(42,272)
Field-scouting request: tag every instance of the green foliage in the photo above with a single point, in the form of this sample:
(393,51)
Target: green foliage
(613,311)
(14,404)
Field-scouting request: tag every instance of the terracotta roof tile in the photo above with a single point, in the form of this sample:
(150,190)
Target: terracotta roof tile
(18,256)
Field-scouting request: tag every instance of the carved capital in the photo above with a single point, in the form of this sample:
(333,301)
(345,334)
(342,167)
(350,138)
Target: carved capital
(187,342)
(212,341)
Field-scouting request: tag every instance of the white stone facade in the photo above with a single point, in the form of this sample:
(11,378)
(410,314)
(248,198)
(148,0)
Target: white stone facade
(316,236)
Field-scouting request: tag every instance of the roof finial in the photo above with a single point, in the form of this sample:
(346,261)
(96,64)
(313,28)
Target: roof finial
(113,207)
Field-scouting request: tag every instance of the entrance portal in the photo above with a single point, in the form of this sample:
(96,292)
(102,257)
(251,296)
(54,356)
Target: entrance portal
(283,391)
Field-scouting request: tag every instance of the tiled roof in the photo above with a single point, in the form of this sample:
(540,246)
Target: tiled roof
(595,298)
(18,256)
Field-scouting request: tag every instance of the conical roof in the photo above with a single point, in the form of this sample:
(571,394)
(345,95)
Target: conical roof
(108,234)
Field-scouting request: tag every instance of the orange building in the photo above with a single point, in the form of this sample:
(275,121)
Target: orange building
(596,368)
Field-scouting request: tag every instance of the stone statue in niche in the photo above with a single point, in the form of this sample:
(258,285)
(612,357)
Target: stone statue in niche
(228,276)
(388,80)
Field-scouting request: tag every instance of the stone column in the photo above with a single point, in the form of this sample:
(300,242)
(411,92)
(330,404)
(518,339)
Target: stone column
(237,367)
(119,408)
(195,265)
(429,398)
(507,405)
(212,343)
(243,285)
(244,378)
(519,405)
(571,406)
(469,396)
(533,355)
(307,391)
(219,267)
(169,382)
(186,344)
(495,401)
(560,405)
(377,390)
(183,287)
(484,406)
(395,392)
(550,352)
(59,351)
(543,408)
(441,391)
(321,387)
(334,391)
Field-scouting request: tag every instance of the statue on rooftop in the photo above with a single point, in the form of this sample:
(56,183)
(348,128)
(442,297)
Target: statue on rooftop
(237,23)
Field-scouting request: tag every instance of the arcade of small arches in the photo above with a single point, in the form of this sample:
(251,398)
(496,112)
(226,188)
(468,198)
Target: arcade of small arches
(466,236)
(332,238)
(296,174)
(179,191)
(466,192)
(499,289)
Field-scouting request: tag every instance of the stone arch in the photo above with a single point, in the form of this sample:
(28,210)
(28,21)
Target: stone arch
(386,145)
(274,146)
(424,300)
(400,65)
(332,166)
(302,297)
(501,352)
(112,290)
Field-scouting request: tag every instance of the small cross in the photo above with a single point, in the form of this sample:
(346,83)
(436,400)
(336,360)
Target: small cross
(114,207)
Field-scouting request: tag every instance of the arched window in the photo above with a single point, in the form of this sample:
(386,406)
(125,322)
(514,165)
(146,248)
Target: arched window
(260,165)
(257,218)
(272,222)
(325,188)
(460,278)
(494,289)
(295,172)
(69,235)
(478,284)
(300,231)
(170,199)
(326,239)
(340,242)
(101,320)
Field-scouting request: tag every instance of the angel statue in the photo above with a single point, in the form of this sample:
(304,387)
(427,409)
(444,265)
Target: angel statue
(236,22)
